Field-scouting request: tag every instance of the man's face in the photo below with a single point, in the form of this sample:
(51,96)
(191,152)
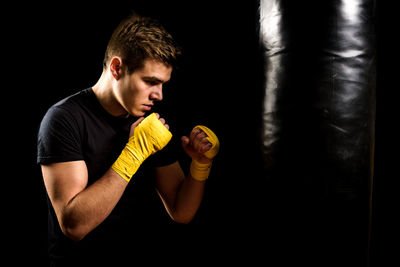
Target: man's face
(138,91)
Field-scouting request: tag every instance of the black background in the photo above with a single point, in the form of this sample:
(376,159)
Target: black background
(54,50)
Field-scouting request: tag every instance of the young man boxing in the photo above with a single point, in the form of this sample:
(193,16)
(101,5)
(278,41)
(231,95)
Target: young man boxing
(98,148)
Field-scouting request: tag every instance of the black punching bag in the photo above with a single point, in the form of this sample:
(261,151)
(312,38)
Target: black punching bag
(344,105)
(318,126)
(345,95)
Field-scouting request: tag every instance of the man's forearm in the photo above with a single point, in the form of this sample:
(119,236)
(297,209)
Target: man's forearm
(188,199)
(91,206)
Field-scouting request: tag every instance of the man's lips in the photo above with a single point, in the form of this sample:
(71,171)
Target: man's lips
(147,107)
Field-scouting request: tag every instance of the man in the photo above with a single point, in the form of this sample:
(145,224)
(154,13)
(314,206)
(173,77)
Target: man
(93,143)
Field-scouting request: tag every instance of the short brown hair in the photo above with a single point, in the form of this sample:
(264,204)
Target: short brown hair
(138,38)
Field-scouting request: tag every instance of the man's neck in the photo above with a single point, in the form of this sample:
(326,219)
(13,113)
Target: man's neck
(104,92)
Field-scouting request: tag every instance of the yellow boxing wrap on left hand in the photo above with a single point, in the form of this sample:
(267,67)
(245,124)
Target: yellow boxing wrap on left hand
(149,137)
(201,171)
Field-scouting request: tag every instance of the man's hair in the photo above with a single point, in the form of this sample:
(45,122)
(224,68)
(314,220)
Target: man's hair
(139,38)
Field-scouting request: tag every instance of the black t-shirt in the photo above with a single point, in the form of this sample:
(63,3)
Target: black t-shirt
(78,128)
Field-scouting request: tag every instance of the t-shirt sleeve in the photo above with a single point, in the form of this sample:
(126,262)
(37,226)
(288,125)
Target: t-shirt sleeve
(58,137)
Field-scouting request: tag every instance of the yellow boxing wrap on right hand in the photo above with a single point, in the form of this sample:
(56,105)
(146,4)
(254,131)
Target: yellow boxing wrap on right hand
(149,137)
(201,171)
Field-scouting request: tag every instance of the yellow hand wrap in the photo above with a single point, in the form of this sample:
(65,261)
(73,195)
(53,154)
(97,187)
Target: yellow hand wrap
(201,171)
(149,137)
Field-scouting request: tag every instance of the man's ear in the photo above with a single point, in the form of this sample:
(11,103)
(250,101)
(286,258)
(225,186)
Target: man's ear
(116,67)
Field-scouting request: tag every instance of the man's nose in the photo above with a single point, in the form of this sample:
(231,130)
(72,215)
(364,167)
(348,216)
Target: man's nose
(157,94)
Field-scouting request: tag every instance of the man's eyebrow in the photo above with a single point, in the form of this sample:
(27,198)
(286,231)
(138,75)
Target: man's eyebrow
(153,79)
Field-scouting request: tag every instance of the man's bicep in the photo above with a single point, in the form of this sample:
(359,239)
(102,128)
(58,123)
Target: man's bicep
(63,181)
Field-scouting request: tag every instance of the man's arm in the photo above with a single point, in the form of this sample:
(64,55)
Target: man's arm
(80,209)
(182,196)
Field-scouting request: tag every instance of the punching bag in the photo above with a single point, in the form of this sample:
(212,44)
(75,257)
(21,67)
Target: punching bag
(318,125)
(345,106)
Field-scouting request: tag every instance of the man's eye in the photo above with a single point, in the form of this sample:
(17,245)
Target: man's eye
(152,83)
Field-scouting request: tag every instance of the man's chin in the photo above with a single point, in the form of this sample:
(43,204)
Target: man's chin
(138,113)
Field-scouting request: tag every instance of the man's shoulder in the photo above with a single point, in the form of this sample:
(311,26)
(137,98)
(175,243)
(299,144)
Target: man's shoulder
(61,131)
(73,101)
(70,106)
(66,112)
